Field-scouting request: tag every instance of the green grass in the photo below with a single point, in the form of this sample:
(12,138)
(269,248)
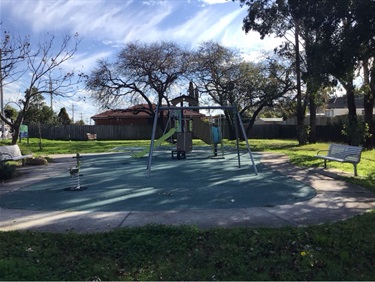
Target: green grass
(338,251)
(304,156)
(72,147)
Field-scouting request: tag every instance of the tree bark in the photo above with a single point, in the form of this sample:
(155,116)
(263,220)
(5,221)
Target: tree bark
(312,108)
(368,103)
(253,118)
(353,134)
(301,130)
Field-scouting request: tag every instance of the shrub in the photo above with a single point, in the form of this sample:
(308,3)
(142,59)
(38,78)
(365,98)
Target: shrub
(7,171)
(36,161)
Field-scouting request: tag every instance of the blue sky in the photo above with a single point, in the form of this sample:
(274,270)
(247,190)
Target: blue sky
(106,25)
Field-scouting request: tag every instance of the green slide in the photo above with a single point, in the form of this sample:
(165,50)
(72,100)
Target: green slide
(156,143)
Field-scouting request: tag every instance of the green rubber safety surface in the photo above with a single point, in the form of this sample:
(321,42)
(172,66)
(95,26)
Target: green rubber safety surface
(118,182)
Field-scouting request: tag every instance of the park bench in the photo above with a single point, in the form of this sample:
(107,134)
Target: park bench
(91,136)
(341,153)
(12,153)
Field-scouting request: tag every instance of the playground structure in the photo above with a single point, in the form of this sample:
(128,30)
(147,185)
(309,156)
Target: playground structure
(183,127)
(179,131)
(210,132)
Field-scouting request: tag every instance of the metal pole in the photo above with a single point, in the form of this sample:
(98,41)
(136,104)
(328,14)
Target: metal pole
(152,140)
(247,142)
(237,141)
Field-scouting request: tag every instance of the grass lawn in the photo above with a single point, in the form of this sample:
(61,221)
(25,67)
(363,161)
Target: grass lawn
(339,251)
(304,156)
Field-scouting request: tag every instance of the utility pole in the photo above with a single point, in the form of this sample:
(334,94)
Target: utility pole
(2,96)
(73,113)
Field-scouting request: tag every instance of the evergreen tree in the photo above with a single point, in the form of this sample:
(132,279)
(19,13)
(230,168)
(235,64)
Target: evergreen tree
(63,117)
(10,113)
(38,111)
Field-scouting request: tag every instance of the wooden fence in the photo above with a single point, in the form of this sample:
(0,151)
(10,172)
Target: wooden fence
(134,132)
(103,132)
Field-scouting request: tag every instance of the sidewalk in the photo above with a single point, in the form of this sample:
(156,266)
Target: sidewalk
(336,200)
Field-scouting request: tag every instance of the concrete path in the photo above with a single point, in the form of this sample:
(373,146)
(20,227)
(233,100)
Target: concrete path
(336,200)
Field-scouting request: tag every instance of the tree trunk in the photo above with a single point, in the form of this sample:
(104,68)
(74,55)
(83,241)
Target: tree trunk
(253,118)
(301,129)
(353,132)
(372,87)
(40,136)
(368,104)
(16,133)
(312,109)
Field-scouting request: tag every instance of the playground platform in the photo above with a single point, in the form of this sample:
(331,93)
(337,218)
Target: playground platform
(199,190)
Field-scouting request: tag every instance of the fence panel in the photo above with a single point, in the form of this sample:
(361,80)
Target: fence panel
(103,132)
(326,133)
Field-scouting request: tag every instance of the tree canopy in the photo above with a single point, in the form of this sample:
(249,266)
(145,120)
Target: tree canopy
(228,79)
(337,40)
(38,111)
(141,73)
(150,73)
(63,117)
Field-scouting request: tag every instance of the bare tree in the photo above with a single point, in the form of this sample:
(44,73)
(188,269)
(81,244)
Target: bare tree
(263,86)
(216,70)
(44,64)
(141,72)
(222,74)
(12,53)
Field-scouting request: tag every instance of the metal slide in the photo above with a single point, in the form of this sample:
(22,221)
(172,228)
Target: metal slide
(156,143)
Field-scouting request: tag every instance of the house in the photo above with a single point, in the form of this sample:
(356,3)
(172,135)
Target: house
(135,115)
(338,106)
(269,121)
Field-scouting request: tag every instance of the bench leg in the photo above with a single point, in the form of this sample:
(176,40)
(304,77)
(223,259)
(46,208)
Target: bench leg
(325,163)
(355,170)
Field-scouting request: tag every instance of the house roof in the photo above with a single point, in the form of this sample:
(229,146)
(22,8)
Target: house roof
(137,111)
(341,103)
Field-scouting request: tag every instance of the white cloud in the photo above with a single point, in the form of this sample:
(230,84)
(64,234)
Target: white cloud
(105,25)
(212,2)
(206,24)
(13,92)
(154,2)
(85,61)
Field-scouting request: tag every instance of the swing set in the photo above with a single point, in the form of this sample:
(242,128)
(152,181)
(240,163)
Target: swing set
(183,127)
